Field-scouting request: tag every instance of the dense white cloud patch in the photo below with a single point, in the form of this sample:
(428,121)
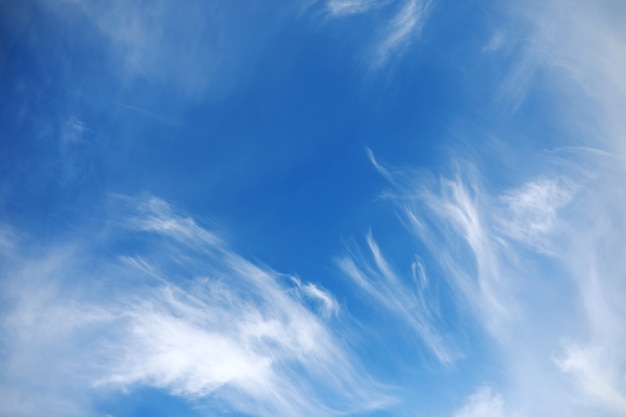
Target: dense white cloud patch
(180,312)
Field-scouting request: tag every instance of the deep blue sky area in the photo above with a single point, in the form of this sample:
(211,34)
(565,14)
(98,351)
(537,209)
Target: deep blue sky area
(312,208)
(283,149)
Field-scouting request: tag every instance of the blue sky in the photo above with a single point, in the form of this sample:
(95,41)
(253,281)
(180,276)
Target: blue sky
(312,208)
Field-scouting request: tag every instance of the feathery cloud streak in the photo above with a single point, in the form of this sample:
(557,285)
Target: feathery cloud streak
(413,301)
(178,311)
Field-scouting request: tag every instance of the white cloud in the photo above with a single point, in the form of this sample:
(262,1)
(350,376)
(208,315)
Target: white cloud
(539,261)
(73,130)
(535,263)
(403,29)
(459,208)
(329,304)
(483,403)
(412,301)
(379,167)
(602,384)
(184,314)
(171,349)
(349,7)
(531,211)
(155,215)
(397,33)
(8,239)
(75,150)
(496,42)
(579,49)
(220,40)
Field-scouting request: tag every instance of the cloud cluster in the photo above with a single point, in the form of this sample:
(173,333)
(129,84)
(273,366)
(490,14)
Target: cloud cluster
(537,266)
(539,263)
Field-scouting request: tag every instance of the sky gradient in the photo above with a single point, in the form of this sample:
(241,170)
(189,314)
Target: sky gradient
(312,208)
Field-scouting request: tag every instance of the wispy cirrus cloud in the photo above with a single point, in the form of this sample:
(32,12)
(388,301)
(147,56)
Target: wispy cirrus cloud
(538,259)
(179,312)
(145,43)
(483,403)
(402,27)
(348,7)
(510,258)
(329,306)
(495,43)
(530,212)
(592,368)
(409,299)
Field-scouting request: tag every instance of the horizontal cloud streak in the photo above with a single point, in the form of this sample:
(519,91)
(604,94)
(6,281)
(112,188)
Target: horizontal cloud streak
(349,7)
